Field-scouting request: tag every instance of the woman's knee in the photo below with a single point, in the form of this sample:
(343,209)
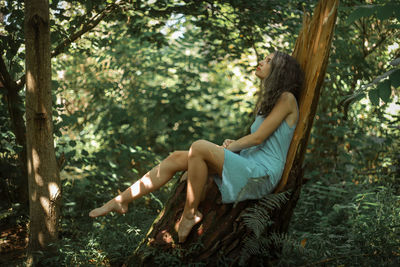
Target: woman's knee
(209,152)
(198,147)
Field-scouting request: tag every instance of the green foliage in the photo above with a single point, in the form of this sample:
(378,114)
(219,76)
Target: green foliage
(12,37)
(381,11)
(260,250)
(384,14)
(155,98)
(153,78)
(356,225)
(9,167)
(383,84)
(107,240)
(257,218)
(173,257)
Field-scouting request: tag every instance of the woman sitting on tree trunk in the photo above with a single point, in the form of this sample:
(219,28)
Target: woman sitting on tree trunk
(250,174)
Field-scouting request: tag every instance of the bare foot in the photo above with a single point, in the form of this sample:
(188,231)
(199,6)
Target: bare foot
(186,224)
(112,205)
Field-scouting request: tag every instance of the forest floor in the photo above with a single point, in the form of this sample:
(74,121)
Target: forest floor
(13,244)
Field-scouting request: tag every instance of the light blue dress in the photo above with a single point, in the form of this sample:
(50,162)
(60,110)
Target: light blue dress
(256,171)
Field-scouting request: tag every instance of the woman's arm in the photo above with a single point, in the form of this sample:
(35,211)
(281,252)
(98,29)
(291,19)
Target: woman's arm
(285,105)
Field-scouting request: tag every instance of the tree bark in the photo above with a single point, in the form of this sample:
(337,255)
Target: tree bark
(15,109)
(223,233)
(43,173)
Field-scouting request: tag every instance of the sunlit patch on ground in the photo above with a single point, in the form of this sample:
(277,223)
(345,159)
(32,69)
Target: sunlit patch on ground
(13,244)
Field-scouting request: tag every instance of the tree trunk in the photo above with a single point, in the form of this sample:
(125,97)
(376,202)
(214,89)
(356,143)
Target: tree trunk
(15,108)
(223,232)
(43,174)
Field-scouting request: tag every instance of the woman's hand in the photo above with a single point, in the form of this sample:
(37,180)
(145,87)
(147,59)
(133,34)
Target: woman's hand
(227,142)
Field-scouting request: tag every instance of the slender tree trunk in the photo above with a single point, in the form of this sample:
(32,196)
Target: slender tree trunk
(15,108)
(222,234)
(44,180)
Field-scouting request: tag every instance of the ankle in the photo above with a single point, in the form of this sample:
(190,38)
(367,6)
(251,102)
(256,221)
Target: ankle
(189,215)
(192,215)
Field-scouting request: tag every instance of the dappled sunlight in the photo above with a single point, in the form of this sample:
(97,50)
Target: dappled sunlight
(33,195)
(190,193)
(152,77)
(41,238)
(140,187)
(158,172)
(54,190)
(36,164)
(44,201)
(146,182)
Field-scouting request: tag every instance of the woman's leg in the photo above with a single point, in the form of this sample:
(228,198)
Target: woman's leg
(203,156)
(154,179)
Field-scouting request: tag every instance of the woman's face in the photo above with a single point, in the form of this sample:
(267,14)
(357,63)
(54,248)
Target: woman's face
(264,67)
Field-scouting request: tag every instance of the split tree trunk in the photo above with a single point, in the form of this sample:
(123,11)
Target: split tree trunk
(43,174)
(222,231)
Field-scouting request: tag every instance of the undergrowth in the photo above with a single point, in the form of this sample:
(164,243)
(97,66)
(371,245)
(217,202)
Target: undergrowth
(347,214)
(107,240)
(345,224)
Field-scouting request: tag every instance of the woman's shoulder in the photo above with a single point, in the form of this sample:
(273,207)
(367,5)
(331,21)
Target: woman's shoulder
(288,97)
(290,101)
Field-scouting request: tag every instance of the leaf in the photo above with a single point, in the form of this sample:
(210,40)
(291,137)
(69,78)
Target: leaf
(55,84)
(397,12)
(359,12)
(384,90)
(16,69)
(70,154)
(394,26)
(395,62)
(395,78)
(385,12)
(58,133)
(374,97)
(72,143)
(358,97)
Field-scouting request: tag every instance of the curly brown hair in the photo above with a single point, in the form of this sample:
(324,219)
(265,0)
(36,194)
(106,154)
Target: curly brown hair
(286,76)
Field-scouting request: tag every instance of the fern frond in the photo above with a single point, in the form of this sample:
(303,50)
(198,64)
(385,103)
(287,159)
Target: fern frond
(278,239)
(261,246)
(251,246)
(257,218)
(274,201)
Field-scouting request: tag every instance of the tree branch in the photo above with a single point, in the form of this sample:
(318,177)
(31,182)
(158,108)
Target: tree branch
(93,22)
(382,39)
(187,9)
(5,76)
